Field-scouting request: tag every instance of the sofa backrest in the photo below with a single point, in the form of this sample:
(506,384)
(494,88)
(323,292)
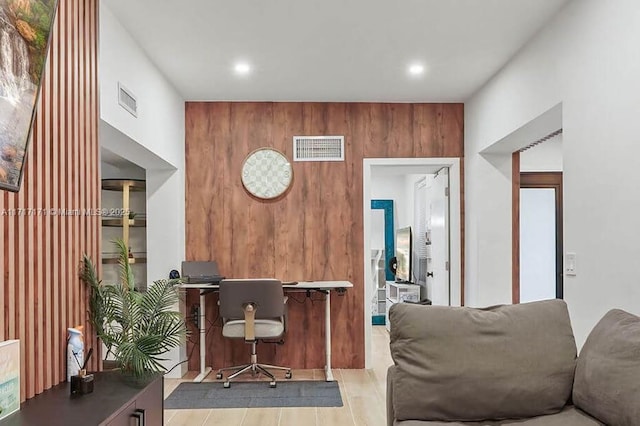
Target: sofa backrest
(607,379)
(465,364)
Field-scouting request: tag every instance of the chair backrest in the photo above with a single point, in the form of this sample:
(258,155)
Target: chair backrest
(267,294)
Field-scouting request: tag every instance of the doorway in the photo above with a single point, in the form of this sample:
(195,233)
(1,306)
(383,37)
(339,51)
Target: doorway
(540,236)
(537,220)
(411,166)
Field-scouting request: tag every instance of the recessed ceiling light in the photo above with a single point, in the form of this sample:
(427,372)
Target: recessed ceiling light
(416,69)
(242,68)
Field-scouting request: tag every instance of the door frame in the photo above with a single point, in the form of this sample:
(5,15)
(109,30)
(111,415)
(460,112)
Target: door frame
(549,180)
(456,283)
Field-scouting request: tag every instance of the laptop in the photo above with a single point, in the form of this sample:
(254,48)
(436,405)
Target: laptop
(200,272)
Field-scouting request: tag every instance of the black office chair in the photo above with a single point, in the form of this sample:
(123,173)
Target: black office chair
(252,309)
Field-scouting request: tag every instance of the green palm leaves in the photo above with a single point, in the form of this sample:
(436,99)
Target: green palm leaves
(138,328)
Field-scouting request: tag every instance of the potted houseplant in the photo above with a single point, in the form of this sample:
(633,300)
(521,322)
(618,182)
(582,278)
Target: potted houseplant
(136,327)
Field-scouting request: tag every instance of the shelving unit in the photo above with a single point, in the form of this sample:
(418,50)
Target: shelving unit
(399,293)
(132,260)
(133,223)
(116,216)
(378,276)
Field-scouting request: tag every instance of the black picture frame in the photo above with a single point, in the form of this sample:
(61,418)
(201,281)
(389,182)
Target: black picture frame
(25,34)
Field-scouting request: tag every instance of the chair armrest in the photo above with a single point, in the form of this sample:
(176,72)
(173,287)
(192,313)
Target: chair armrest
(285,315)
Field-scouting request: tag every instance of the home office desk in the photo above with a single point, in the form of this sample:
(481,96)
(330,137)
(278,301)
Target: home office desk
(324,287)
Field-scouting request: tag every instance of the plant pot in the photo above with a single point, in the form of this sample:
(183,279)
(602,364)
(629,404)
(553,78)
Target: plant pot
(109,364)
(136,381)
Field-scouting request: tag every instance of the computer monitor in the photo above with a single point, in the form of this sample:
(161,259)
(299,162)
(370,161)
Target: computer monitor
(201,272)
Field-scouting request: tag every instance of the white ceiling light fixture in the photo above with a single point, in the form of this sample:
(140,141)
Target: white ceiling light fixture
(242,68)
(416,69)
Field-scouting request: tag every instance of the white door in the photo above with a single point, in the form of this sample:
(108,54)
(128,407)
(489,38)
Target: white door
(438,266)
(537,244)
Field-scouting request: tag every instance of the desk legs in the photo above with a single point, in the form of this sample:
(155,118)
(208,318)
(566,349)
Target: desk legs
(204,371)
(327,337)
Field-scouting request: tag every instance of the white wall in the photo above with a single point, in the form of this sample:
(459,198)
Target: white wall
(160,120)
(399,188)
(109,171)
(409,184)
(377,229)
(587,60)
(546,157)
(154,140)
(390,187)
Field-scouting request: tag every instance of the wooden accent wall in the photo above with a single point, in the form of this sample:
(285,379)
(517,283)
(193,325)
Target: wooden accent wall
(315,231)
(41,294)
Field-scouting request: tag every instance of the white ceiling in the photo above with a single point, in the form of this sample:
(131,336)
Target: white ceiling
(332,50)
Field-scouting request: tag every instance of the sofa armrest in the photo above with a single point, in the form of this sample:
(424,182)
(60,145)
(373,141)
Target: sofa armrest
(390,413)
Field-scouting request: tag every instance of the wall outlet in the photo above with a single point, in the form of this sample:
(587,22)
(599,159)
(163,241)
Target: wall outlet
(571,266)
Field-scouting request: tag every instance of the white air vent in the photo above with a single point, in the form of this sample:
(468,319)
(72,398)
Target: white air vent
(318,148)
(127,100)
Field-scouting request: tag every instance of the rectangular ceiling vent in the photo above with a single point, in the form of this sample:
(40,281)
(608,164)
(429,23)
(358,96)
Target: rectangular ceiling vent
(127,100)
(318,148)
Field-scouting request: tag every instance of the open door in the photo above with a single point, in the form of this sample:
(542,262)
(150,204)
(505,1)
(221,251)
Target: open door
(438,239)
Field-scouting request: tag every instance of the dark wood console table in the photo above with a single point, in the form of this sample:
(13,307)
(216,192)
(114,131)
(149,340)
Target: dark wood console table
(112,403)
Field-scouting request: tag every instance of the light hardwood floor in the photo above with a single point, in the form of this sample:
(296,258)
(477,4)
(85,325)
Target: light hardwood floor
(363,395)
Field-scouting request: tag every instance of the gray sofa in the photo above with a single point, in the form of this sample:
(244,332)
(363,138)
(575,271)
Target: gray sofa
(511,365)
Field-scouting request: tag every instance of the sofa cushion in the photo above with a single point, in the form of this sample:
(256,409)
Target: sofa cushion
(569,416)
(465,364)
(607,379)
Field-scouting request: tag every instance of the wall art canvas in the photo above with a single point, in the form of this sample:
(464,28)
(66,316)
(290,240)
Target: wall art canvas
(25,30)
(9,377)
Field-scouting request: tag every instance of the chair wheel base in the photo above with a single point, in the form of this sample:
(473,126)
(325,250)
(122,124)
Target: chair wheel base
(219,376)
(287,375)
(272,384)
(226,385)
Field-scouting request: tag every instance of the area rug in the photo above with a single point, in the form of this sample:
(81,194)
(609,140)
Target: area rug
(254,394)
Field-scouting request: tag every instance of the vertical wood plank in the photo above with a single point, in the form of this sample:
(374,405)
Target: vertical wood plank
(96,228)
(45,114)
(54,248)
(50,95)
(62,320)
(73,260)
(30,284)
(83,167)
(515,227)
(21,284)
(10,284)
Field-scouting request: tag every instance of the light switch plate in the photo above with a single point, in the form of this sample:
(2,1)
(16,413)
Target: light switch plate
(570,265)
